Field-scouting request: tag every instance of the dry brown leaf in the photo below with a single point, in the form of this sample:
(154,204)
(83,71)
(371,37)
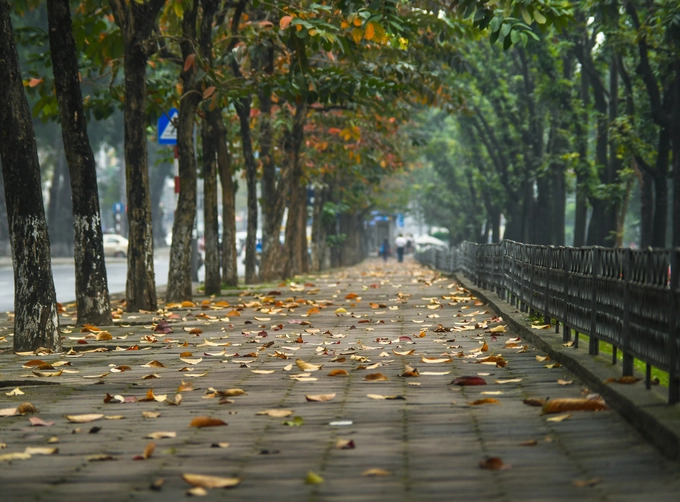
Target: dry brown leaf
(403,352)
(534,401)
(564,382)
(486,400)
(493,464)
(16,392)
(468,380)
(276,413)
(14,456)
(151,414)
(435,360)
(531,442)
(25,408)
(345,444)
(626,380)
(82,419)
(203,481)
(154,364)
(573,404)
(206,422)
(497,329)
(319,397)
(148,450)
(230,392)
(338,373)
(376,377)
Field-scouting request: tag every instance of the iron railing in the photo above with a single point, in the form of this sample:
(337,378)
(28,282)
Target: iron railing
(628,298)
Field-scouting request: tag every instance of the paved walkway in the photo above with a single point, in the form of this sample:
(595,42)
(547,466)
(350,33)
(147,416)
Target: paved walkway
(426,445)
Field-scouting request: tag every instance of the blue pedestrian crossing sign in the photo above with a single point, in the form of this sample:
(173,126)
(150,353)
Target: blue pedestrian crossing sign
(167,132)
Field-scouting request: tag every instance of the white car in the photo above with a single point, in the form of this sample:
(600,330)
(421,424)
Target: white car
(115,245)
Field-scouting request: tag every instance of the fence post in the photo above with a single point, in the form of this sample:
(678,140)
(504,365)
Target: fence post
(625,335)
(566,330)
(594,346)
(548,263)
(673,376)
(532,259)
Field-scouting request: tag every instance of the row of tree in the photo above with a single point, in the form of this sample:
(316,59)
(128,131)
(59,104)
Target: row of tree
(293,94)
(590,111)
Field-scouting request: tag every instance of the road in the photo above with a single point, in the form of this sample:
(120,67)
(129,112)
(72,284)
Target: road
(64,278)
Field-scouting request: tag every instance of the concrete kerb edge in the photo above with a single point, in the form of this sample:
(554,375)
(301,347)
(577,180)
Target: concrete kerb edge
(645,410)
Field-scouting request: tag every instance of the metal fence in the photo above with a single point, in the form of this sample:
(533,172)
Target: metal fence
(628,298)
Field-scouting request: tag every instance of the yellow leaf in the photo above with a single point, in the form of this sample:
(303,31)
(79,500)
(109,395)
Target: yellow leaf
(285,22)
(204,481)
(357,34)
(370,31)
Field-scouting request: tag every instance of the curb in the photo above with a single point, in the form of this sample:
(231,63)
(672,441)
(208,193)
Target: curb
(646,410)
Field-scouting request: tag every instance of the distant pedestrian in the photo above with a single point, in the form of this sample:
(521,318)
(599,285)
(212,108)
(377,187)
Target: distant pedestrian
(385,250)
(400,243)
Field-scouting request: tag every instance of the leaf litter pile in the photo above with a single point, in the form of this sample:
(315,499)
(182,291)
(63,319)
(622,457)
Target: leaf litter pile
(213,380)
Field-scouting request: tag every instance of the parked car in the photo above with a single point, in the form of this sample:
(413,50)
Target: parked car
(115,245)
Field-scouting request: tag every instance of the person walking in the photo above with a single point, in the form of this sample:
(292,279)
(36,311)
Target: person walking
(385,249)
(400,243)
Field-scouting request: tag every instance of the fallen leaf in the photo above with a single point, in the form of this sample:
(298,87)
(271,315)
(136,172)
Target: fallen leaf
(47,374)
(338,373)
(554,365)
(559,418)
(486,400)
(82,419)
(435,360)
(540,326)
(319,397)
(153,364)
(197,491)
(305,366)
(263,372)
(25,408)
(510,380)
(39,422)
(276,413)
(296,422)
(313,479)
(16,392)
(345,444)
(531,442)
(8,412)
(100,457)
(206,422)
(151,414)
(231,392)
(497,329)
(14,456)
(219,445)
(375,472)
(203,481)
(493,464)
(626,380)
(41,450)
(580,483)
(573,404)
(162,435)
(403,352)
(376,377)
(468,380)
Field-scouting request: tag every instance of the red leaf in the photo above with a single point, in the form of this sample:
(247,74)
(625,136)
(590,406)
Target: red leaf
(189,62)
(285,22)
(469,380)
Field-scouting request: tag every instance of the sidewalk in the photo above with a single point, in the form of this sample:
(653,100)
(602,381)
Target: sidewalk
(425,445)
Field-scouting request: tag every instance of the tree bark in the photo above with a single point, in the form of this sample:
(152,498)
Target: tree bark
(136,22)
(213,283)
(229,255)
(179,273)
(318,229)
(295,241)
(36,321)
(92,294)
(4,229)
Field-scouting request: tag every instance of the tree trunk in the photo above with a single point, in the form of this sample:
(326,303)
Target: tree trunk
(318,229)
(213,283)
(179,272)
(229,255)
(296,241)
(675,141)
(136,22)
(646,209)
(36,321)
(243,111)
(4,229)
(92,295)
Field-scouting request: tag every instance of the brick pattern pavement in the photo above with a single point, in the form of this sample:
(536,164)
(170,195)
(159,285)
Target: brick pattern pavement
(430,442)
